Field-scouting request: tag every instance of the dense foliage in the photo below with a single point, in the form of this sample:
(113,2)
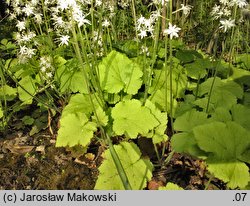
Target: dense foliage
(175,72)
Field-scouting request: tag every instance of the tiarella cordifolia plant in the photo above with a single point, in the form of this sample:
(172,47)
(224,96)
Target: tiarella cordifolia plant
(121,70)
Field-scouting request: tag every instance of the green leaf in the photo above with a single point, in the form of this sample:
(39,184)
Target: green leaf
(118,72)
(197,69)
(171,186)
(4,41)
(244,60)
(245,156)
(159,100)
(59,61)
(102,117)
(186,143)
(7,92)
(226,143)
(234,173)
(240,75)
(158,134)
(219,98)
(241,115)
(222,98)
(27,120)
(1,113)
(185,56)
(221,86)
(75,129)
(78,103)
(26,90)
(78,83)
(179,81)
(70,77)
(137,169)
(189,120)
(222,115)
(131,118)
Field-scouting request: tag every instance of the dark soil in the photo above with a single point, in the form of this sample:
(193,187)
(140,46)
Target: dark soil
(33,162)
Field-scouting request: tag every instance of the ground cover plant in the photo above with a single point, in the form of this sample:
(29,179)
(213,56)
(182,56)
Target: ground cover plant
(142,94)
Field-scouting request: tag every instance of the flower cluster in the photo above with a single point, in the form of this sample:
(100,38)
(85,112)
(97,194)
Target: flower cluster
(46,67)
(223,11)
(36,17)
(145,26)
(97,39)
(124,3)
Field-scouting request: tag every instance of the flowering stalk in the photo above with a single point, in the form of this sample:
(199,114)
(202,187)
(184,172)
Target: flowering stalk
(135,21)
(148,78)
(170,69)
(232,40)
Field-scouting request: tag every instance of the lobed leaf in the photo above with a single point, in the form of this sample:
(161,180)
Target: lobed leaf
(78,103)
(189,120)
(75,129)
(158,134)
(131,118)
(241,115)
(70,77)
(7,92)
(137,169)
(234,173)
(117,72)
(227,144)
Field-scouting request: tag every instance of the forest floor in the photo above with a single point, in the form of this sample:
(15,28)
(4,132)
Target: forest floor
(33,162)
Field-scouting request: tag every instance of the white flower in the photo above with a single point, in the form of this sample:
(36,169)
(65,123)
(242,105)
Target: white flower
(64,40)
(30,52)
(49,75)
(79,16)
(142,34)
(26,52)
(21,25)
(227,12)
(241,3)
(34,2)
(105,23)
(66,4)
(23,50)
(59,23)
(147,23)
(43,69)
(38,18)
(17,10)
(224,2)
(186,9)
(28,10)
(215,9)
(98,3)
(157,2)
(141,21)
(172,31)
(81,20)
(155,15)
(227,24)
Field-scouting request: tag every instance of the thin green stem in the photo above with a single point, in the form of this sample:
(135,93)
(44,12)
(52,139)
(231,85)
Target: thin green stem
(171,68)
(114,155)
